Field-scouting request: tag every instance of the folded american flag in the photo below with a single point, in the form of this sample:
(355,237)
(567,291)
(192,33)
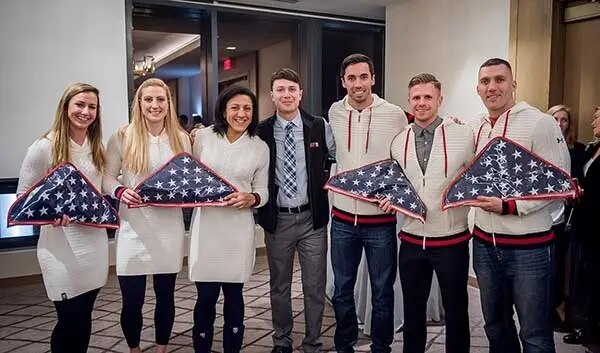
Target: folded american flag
(379,180)
(509,171)
(184,182)
(63,191)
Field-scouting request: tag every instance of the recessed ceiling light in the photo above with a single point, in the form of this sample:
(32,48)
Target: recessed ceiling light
(231,48)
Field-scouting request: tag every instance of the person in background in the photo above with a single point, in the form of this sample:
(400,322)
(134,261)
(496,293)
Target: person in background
(197,121)
(150,240)
(183,121)
(222,245)
(363,126)
(73,258)
(585,250)
(563,212)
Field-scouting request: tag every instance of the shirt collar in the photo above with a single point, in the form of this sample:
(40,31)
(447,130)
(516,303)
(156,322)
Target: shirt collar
(430,128)
(297,121)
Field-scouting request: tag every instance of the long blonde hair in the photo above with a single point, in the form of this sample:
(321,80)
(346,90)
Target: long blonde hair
(136,134)
(60,128)
(570,132)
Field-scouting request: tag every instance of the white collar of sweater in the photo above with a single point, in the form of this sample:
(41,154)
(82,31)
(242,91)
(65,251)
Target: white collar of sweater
(377,101)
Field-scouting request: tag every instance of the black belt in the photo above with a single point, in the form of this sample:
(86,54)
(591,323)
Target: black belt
(296,209)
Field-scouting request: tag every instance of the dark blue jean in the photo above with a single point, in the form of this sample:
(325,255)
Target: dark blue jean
(379,244)
(523,278)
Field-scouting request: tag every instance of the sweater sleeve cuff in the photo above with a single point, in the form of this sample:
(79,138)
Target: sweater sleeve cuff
(509,208)
(119,191)
(256,199)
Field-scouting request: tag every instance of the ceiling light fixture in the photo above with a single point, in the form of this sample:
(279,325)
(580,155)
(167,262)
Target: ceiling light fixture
(231,48)
(144,66)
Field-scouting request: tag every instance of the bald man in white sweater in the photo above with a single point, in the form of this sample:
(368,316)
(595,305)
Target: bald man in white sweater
(432,151)
(513,251)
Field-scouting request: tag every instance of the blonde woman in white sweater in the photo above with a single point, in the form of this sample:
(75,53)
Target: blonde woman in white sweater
(150,240)
(73,258)
(432,151)
(222,245)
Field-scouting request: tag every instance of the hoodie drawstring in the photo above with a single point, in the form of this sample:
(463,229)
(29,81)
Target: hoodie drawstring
(491,126)
(406,145)
(368,129)
(505,124)
(479,135)
(349,129)
(445,152)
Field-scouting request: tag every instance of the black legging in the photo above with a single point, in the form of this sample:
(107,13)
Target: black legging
(133,290)
(74,323)
(205,313)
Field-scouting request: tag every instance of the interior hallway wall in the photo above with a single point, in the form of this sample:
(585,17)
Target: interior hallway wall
(582,74)
(46,45)
(449,39)
(189,99)
(271,59)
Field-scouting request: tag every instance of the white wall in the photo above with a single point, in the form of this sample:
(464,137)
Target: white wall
(271,59)
(46,45)
(449,39)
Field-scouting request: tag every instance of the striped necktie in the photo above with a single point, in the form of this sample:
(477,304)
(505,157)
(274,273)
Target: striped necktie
(290,188)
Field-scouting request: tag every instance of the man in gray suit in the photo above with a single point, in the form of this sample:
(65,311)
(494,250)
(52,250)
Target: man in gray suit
(296,214)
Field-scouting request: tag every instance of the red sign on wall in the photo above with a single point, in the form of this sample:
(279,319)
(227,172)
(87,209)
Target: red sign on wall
(227,64)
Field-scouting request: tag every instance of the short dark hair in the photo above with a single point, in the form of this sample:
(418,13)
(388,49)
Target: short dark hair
(494,62)
(285,74)
(424,78)
(356,59)
(220,125)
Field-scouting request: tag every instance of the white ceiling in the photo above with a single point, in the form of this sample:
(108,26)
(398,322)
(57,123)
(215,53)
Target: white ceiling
(159,44)
(372,9)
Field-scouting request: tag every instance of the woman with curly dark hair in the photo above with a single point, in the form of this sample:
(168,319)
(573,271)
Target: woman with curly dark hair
(222,238)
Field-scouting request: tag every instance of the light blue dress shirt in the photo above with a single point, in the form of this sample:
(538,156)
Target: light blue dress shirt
(301,197)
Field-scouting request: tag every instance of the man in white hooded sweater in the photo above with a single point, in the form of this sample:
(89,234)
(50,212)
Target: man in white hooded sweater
(363,127)
(432,151)
(513,251)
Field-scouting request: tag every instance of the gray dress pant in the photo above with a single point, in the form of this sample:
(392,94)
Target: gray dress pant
(295,232)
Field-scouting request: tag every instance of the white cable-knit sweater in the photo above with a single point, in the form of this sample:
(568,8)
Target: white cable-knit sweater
(222,238)
(539,133)
(362,138)
(448,157)
(150,239)
(73,259)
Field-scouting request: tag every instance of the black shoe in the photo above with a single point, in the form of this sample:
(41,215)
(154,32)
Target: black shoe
(233,337)
(576,337)
(282,349)
(558,325)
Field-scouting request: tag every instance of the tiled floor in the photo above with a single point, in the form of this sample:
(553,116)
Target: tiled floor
(27,318)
